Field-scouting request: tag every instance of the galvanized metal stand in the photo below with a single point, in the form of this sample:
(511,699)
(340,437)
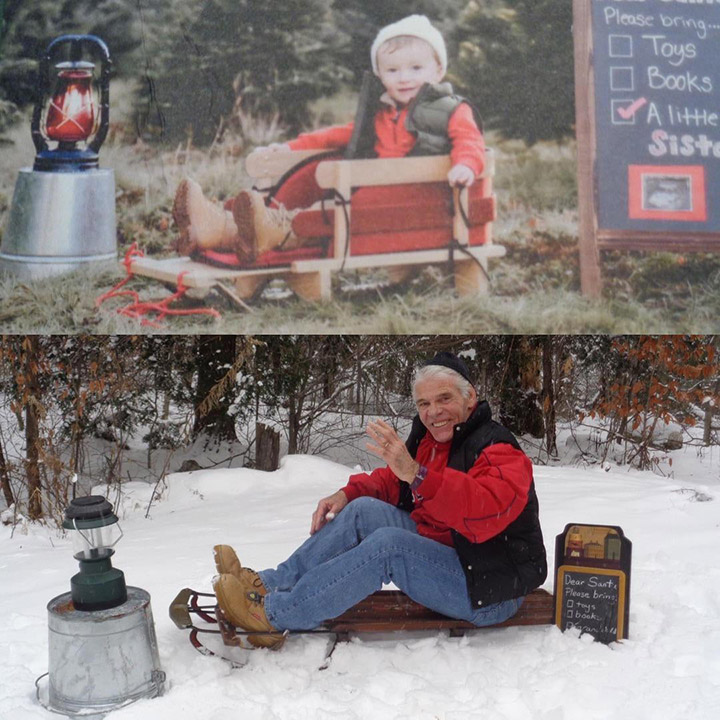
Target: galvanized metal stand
(59,221)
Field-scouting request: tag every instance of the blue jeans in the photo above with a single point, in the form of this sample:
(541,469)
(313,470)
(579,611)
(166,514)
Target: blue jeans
(370,543)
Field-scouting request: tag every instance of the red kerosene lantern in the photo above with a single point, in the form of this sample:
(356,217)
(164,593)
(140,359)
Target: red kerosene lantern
(71,116)
(63,209)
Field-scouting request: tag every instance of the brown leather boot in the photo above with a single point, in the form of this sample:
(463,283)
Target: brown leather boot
(203,225)
(227,563)
(260,227)
(246,610)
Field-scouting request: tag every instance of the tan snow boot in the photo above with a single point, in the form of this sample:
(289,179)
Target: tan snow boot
(260,227)
(227,563)
(203,225)
(247,611)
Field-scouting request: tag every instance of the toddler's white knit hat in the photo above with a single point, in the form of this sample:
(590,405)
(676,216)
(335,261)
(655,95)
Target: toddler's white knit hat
(418,26)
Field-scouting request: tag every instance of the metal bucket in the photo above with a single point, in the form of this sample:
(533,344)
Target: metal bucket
(102,660)
(59,221)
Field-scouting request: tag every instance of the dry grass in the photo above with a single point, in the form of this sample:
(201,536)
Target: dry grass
(424,305)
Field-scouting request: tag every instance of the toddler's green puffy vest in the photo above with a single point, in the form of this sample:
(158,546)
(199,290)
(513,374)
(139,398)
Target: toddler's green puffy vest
(428,116)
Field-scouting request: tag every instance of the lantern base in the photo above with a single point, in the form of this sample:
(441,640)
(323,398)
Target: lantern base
(98,585)
(66,160)
(58,222)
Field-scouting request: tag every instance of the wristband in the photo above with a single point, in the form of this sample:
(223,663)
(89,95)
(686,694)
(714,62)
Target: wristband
(417,481)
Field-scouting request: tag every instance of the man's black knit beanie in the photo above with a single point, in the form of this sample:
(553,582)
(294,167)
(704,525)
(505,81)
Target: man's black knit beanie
(452,361)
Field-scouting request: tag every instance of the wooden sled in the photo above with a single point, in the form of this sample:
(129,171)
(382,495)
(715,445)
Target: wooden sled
(382,612)
(435,226)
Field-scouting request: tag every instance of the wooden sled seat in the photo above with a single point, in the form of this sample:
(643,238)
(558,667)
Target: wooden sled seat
(391,197)
(392,610)
(388,610)
(417,216)
(394,213)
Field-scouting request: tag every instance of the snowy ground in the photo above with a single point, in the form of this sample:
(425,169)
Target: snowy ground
(668,669)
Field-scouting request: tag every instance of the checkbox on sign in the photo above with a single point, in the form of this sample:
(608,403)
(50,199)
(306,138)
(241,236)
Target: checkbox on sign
(620,46)
(622,79)
(624,112)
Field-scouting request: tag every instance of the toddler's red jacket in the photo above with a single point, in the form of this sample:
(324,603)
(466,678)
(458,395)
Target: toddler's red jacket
(394,140)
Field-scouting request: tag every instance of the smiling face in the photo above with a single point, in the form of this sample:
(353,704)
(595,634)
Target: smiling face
(441,405)
(403,68)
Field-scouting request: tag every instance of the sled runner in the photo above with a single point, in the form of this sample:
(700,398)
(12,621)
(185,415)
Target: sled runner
(360,228)
(383,611)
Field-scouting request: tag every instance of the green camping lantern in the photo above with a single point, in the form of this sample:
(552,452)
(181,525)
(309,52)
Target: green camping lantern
(95,531)
(102,648)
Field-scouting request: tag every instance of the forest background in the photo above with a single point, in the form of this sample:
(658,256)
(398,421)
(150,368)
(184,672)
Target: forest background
(197,84)
(78,411)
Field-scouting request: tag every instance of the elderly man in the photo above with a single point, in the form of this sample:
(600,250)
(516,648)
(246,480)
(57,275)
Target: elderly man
(452,520)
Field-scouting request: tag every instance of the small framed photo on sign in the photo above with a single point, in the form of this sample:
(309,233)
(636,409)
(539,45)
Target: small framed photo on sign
(667,192)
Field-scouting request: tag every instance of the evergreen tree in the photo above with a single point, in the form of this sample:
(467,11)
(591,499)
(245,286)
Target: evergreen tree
(31,26)
(516,64)
(297,378)
(520,409)
(219,57)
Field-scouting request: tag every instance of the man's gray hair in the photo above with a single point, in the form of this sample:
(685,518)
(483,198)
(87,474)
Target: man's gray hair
(440,371)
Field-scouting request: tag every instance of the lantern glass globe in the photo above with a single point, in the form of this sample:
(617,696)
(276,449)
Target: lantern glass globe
(96,542)
(94,527)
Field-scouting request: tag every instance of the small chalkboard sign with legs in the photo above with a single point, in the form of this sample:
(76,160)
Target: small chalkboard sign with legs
(592,581)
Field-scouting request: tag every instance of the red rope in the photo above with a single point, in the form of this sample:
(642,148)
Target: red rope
(137,308)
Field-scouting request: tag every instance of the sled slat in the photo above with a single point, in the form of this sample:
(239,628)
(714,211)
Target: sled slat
(392,610)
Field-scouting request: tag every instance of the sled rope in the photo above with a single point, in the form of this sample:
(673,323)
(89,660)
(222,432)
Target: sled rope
(455,244)
(343,202)
(139,309)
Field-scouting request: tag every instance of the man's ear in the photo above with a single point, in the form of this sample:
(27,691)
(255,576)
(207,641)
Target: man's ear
(472,400)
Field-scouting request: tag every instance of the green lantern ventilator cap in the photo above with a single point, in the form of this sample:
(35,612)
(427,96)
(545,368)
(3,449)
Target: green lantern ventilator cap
(91,511)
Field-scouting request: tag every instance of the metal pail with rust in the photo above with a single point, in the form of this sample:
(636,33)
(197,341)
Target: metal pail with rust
(102,659)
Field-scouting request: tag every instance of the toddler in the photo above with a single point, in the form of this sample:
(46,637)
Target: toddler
(415,114)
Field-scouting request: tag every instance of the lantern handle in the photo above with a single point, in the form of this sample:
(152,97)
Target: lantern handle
(76,46)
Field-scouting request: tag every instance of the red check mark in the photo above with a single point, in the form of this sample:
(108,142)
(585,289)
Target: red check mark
(627,112)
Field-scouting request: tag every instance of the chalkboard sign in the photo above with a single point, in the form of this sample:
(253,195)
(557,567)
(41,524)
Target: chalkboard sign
(592,581)
(648,125)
